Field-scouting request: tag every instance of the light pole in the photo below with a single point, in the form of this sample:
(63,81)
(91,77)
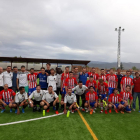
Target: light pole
(119,45)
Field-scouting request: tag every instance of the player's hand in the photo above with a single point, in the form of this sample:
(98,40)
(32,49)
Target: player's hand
(48,104)
(18,111)
(5,104)
(65,111)
(22,104)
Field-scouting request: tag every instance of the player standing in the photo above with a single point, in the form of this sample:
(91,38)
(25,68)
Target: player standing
(91,82)
(94,74)
(102,75)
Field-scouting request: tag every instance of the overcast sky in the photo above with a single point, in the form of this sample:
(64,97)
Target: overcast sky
(70,29)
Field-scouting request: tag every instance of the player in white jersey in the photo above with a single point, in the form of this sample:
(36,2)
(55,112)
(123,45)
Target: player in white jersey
(52,79)
(35,98)
(21,100)
(70,101)
(7,77)
(50,98)
(80,90)
(1,78)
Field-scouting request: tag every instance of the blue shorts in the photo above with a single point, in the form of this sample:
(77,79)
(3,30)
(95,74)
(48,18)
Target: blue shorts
(31,90)
(116,106)
(91,104)
(110,90)
(64,91)
(122,103)
(102,96)
(127,107)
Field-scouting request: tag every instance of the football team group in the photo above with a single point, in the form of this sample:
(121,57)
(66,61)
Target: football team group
(19,89)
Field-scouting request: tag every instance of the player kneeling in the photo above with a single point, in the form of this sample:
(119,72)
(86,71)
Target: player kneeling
(125,96)
(91,100)
(114,101)
(35,98)
(50,98)
(70,101)
(7,98)
(21,100)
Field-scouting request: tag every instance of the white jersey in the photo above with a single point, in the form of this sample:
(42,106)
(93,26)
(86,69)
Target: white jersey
(52,80)
(49,97)
(80,91)
(59,80)
(20,97)
(1,79)
(37,96)
(22,76)
(70,98)
(7,78)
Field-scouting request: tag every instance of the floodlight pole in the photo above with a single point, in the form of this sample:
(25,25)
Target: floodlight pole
(119,45)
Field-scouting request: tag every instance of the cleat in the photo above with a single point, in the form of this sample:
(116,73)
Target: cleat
(11,110)
(91,112)
(48,110)
(15,111)
(106,112)
(87,110)
(116,111)
(34,108)
(83,110)
(95,108)
(23,110)
(110,111)
(122,112)
(101,111)
(56,112)
(72,111)
(94,111)
(2,110)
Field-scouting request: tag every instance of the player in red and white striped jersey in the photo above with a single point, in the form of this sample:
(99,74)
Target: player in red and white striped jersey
(125,96)
(103,93)
(91,82)
(114,101)
(112,81)
(126,81)
(32,78)
(7,98)
(94,74)
(102,75)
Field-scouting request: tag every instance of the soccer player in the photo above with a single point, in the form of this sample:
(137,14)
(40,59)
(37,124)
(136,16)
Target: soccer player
(50,98)
(70,101)
(42,79)
(32,78)
(35,98)
(48,72)
(94,74)
(70,82)
(102,75)
(114,101)
(7,98)
(112,81)
(22,80)
(7,77)
(21,100)
(76,73)
(125,96)
(91,82)
(126,81)
(83,76)
(14,80)
(80,90)
(91,100)
(1,78)
(59,74)
(103,93)
(52,79)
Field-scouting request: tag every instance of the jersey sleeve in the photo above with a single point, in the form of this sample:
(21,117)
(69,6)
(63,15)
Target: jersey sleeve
(106,87)
(16,98)
(31,96)
(132,82)
(55,95)
(13,93)
(28,77)
(26,96)
(131,97)
(95,84)
(0,95)
(87,83)
(109,100)
(87,96)
(96,97)
(48,79)
(62,76)
(75,81)
(65,99)
(97,75)
(18,76)
(74,98)
(73,89)
(121,81)
(66,82)
(116,78)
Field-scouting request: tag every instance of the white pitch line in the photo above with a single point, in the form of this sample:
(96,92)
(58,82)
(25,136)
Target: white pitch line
(31,119)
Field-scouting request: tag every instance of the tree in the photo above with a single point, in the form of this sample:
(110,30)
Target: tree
(121,66)
(134,68)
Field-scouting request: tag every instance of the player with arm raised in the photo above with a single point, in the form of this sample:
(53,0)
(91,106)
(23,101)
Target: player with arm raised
(70,101)
(50,98)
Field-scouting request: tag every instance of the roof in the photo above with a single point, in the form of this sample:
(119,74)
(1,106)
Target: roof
(40,60)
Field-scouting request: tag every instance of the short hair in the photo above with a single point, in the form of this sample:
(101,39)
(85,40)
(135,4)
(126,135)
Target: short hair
(49,86)
(102,69)
(8,66)
(75,67)
(67,67)
(111,69)
(69,88)
(100,80)
(80,82)
(115,89)
(119,68)
(42,68)
(38,86)
(32,69)
(20,88)
(14,67)
(93,67)
(51,69)
(128,86)
(90,76)
(91,87)
(136,73)
(22,66)
(84,68)
(70,72)
(48,64)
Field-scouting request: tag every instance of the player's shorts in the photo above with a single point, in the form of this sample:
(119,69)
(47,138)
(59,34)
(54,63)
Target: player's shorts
(31,90)
(68,105)
(64,91)
(91,103)
(102,96)
(110,90)
(6,103)
(36,102)
(117,105)
(122,102)
(127,107)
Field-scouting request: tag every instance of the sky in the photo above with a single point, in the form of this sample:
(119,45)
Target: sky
(68,29)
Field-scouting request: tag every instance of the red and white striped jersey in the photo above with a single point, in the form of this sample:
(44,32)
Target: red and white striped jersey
(63,78)
(70,83)
(126,95)
(102,77)
(32,78)
(114,99)
(95,75)
(103,89)
(112,80)
(126,81)
(92,97)
(6,96)
(89,83)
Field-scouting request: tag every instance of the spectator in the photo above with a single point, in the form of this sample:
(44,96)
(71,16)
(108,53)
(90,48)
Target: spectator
(131,76)
(15,71)
(136,94)
(59,73)
(76,74)
(1,78)
(48,72)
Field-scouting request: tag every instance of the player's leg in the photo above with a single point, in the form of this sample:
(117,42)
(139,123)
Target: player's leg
(3,106)
(11,106)
(86,106)
(78,98)
(110,108)
(24,106)
(83,101)
(134,100)
(127,109)
(57,106)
